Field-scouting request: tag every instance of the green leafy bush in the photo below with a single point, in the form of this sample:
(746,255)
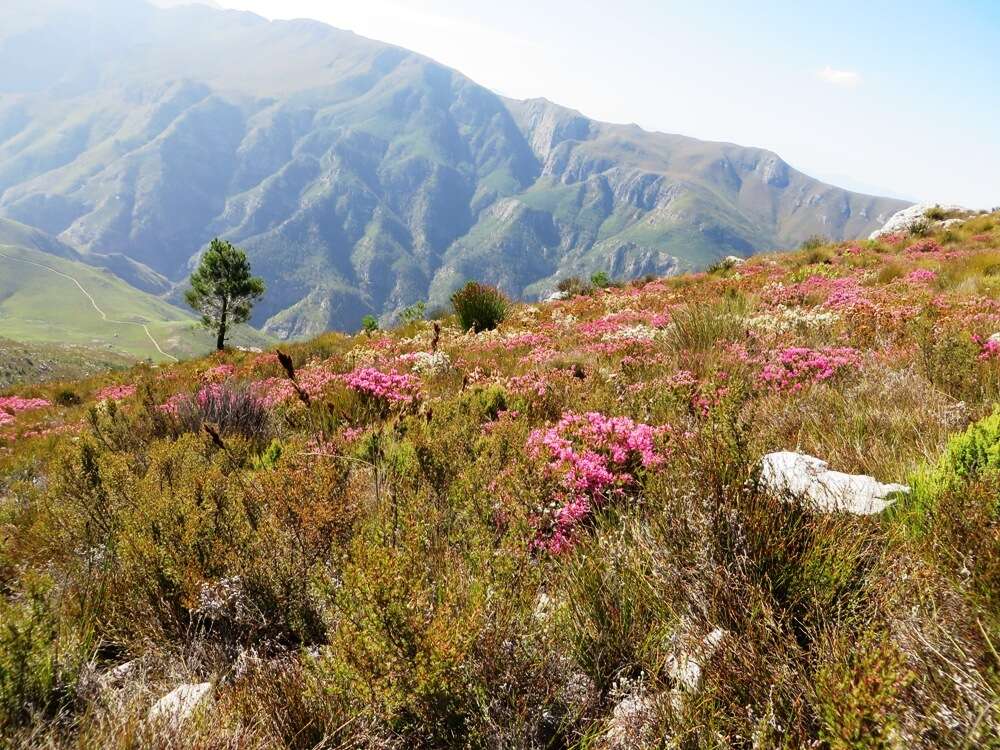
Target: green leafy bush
(601,280)
(479,307)
(414,313)
(975,452)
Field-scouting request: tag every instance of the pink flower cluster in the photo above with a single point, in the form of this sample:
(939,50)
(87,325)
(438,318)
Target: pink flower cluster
(921,276)
(836,293)
(273,391)
(924,246)
(12,405)
(989,348)
(794,368)
(591,457)
(115,393)
(389,387)
(17,404)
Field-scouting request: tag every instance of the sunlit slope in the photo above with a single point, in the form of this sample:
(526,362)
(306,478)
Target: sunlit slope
(48,299)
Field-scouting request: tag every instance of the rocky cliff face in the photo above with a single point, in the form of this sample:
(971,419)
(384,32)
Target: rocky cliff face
(360,177)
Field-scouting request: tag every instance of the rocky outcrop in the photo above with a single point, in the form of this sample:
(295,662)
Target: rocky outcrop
(909,218)
(809,479)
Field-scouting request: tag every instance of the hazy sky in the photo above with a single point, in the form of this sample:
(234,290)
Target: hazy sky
(898,98)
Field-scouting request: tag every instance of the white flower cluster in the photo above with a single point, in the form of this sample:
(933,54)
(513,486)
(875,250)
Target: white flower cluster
(431,363)
(639,332)
(786,319)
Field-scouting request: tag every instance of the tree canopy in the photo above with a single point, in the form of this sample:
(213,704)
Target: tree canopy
(224,289)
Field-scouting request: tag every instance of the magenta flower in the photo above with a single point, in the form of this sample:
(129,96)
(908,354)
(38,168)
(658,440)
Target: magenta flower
(13,405)
(387,387)
(115,393)
(794,368)
(591,457)
(921,276)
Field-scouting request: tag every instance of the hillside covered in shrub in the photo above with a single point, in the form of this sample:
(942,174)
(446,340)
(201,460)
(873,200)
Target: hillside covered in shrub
(554,533)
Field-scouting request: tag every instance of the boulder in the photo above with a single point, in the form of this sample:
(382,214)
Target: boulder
(177,706)
(809,479)
(905,220)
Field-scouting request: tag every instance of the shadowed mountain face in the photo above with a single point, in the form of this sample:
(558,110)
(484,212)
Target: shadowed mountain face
(359,176)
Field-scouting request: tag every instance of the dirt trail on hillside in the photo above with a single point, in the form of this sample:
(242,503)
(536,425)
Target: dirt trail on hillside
(89,296)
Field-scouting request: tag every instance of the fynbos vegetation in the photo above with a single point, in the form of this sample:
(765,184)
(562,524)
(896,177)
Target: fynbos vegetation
(533,526)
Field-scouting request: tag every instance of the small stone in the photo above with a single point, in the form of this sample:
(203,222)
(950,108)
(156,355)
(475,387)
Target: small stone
(686,669)
(177,706)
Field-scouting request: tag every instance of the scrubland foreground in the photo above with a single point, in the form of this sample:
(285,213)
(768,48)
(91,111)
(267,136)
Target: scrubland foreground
(549,535)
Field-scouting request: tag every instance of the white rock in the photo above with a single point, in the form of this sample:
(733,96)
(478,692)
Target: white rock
(177,706)
(686,669)
(810,479)
(903,221)
(995,338)
(557,297)
(631,723)
(734,260)
(117,675)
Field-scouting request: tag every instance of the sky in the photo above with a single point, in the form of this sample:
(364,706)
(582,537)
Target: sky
(895,98)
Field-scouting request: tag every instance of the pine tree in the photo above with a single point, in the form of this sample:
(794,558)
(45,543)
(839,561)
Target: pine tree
(223,289)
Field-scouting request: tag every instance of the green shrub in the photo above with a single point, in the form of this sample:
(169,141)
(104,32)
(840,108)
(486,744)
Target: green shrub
(975,452)
(858,695)
(66,397)
(414,313)
(38,669)
(574,286)
(814,242)
(479,307)
(369,324)
(601,280)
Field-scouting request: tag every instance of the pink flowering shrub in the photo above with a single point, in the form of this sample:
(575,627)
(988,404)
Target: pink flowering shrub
(921,276)
(590,458)
(13,405)
(233,409)
(274,392)
(115,393)
(17,404)
(794,368)
(924,246)
(386,387)
(989,348)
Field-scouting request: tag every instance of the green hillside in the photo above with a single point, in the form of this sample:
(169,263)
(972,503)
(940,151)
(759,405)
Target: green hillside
(47,299)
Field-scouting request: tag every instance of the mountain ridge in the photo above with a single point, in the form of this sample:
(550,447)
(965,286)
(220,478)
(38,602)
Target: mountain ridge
(362,177)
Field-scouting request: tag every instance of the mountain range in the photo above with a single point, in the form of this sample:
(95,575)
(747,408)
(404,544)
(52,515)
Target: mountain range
(360,177)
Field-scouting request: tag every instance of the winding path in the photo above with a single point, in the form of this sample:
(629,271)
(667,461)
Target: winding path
(104,315)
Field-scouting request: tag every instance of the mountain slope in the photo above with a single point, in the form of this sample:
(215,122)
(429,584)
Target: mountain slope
(361,177)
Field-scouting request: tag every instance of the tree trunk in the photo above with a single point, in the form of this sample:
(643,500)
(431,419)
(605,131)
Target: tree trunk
(220,343)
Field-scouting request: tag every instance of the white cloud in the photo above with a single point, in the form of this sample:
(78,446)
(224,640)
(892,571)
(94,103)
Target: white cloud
(846,78)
